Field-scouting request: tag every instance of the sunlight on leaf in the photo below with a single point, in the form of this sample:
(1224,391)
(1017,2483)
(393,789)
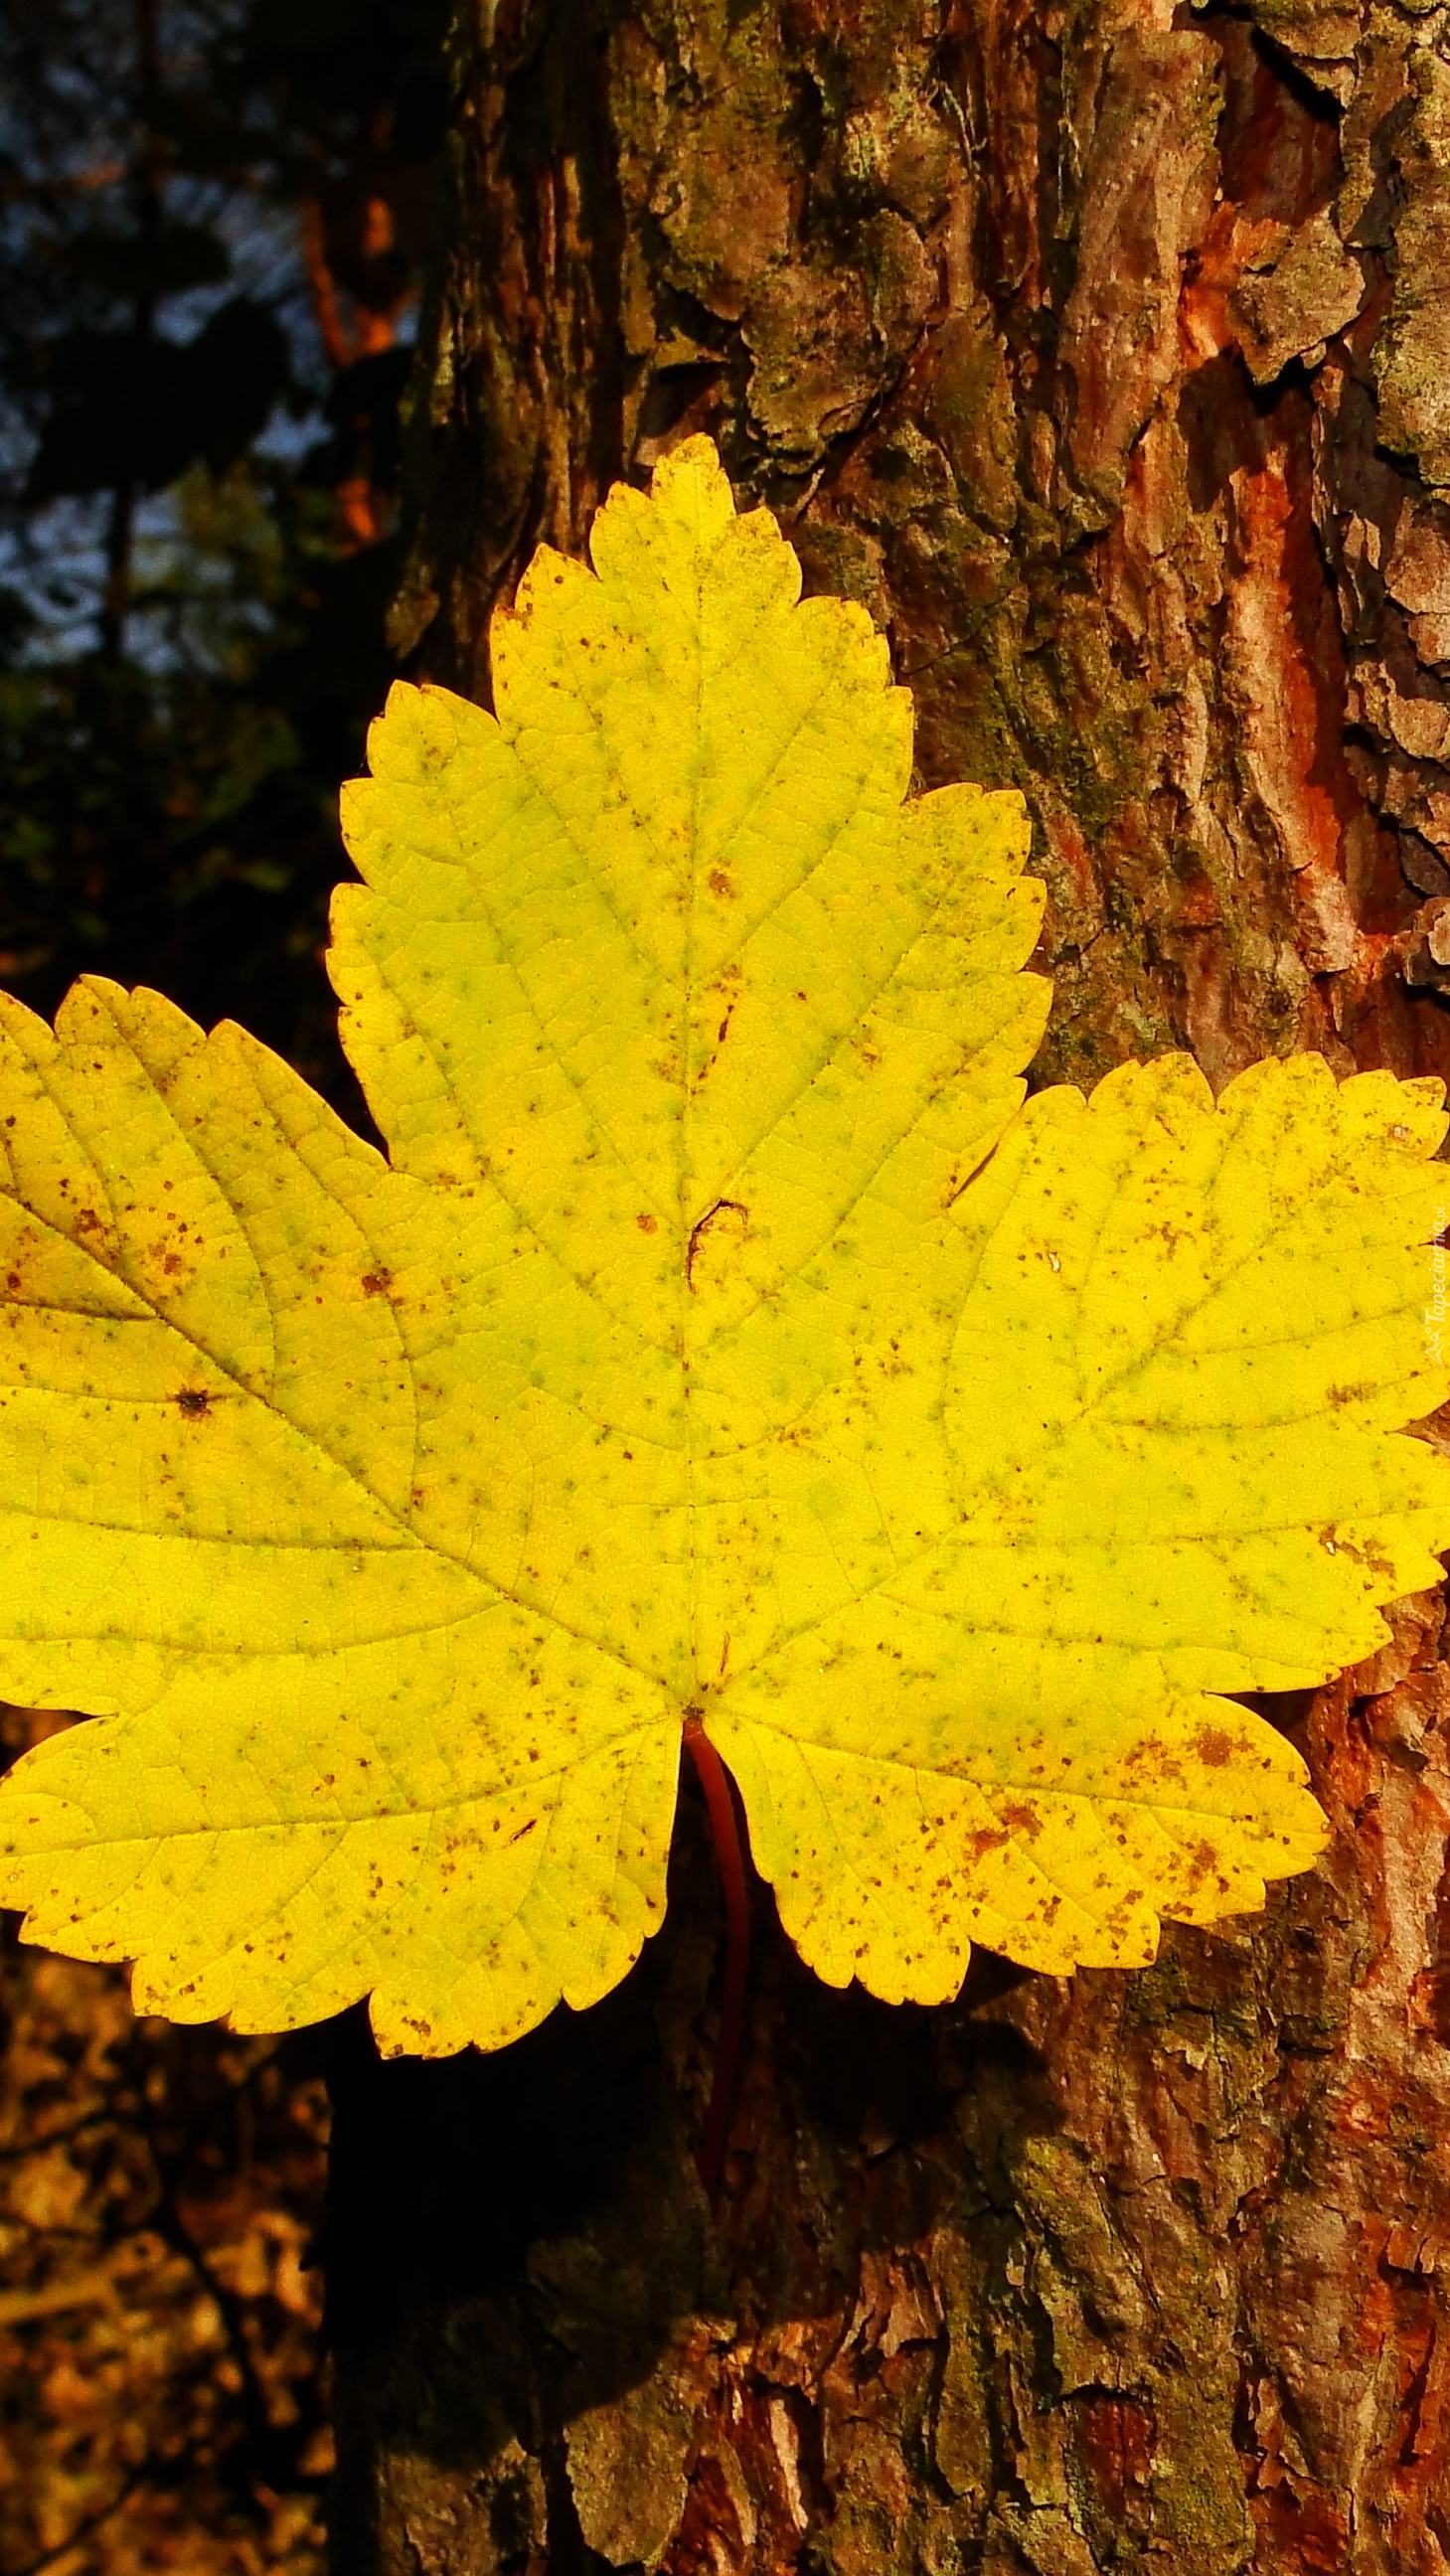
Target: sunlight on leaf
(723,1340)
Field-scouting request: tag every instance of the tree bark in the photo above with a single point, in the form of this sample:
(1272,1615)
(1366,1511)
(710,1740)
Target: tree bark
(1103,351)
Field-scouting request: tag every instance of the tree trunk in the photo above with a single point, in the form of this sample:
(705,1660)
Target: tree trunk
(1103,351)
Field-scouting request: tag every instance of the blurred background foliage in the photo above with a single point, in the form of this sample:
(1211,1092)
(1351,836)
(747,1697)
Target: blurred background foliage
(214,219)
(163,2399)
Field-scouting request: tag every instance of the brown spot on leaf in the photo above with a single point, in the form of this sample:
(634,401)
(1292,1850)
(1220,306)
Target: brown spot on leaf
(1020,1819)
(985,1840)
(193,1401)
(700,1231)
(376,1283)
(647,1224)
(1215,1747)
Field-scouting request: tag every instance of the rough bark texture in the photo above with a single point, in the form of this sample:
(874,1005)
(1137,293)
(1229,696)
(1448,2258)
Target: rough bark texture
(1104,352)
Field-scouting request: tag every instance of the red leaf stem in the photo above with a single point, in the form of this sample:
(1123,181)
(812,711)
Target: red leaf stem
(730,1858)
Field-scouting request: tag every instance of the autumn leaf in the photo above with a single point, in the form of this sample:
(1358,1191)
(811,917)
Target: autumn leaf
(723,1345)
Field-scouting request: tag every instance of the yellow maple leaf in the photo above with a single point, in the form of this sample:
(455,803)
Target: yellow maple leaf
(724,1346)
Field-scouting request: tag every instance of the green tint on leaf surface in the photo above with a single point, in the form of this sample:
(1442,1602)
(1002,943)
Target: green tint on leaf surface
(723,1344)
